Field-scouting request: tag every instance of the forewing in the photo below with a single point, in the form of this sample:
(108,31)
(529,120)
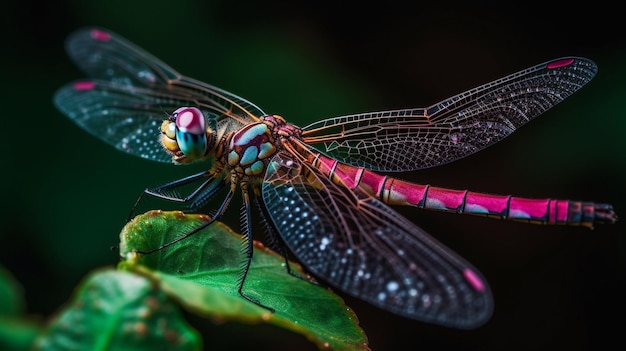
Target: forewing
(130,92)
(362,247)
(125,116)
(403,140)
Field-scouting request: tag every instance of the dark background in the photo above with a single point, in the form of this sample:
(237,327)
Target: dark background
(65,195)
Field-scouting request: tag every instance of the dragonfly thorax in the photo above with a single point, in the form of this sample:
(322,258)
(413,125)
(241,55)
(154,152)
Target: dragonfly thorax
(186,135)
(251,147)
(280,127)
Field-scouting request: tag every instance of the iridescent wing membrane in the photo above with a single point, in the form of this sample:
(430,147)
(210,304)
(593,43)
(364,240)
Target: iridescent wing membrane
(364,248)
(411,139)
(130,92)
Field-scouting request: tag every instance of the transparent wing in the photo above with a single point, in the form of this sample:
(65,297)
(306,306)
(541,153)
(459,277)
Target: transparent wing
(124,116)
(130,92)
(403,140)
(361,246)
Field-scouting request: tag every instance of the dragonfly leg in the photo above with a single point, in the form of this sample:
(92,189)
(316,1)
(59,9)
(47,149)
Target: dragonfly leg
(248,247)
(218,214)
(167,191)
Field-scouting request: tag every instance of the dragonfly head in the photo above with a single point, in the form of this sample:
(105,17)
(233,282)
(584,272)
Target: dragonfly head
(186,135)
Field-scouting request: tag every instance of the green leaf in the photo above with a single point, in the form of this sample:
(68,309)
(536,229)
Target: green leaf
(17,331)
(11,301)
(202,273)
(114,310)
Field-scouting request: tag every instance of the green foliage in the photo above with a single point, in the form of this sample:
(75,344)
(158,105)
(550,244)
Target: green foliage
(114,310)
(202,271)
(136,307)
(17,331)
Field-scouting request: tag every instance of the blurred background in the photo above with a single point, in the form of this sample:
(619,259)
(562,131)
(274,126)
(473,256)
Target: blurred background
(66,195)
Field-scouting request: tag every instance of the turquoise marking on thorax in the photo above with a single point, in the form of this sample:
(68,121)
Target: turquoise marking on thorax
(250,155)
(255,169)
(250,146)
(248,135)
(233,158)
(267,149)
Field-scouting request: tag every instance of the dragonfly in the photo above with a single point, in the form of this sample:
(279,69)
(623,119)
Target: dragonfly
(326,189)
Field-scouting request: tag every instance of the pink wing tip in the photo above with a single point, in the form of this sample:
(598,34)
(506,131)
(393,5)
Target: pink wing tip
(85,85)
(473,279)
(99,35)
(560,63)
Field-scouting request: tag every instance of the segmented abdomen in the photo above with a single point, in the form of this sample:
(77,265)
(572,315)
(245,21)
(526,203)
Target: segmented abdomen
(398,192)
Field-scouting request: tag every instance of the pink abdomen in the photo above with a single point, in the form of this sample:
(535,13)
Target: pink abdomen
(393,191)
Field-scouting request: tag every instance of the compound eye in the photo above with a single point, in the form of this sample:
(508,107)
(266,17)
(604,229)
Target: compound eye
(191,133)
